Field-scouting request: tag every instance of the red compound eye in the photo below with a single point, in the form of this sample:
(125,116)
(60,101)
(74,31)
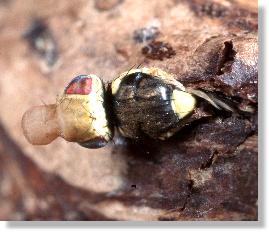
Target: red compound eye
(80,85)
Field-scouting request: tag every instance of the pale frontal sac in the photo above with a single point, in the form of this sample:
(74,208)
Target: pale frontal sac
(82,114)
(149,102)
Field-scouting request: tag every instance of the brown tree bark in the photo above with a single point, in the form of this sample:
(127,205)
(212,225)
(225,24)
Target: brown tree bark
(208,171)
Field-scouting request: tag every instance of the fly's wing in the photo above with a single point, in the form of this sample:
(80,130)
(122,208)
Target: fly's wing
(213,99)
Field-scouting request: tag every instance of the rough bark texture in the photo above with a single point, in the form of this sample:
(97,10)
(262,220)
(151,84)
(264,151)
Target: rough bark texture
(208,171)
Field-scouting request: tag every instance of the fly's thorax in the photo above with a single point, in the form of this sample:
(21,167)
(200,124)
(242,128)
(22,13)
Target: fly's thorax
(153,71)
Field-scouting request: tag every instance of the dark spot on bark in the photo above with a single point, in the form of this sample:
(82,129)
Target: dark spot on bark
(232,16)
(243,19)
(208,8)
(5,2)
(105,5)
(145,34)
(133,186)
(158,50)
(42,41)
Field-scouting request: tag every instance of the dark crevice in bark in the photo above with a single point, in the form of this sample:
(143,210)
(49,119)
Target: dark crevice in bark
(190,187)
(210,161)
(227,58)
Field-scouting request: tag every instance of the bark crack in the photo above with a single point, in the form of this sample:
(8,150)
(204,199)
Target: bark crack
(190,188)
(210,161)
(227,58)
